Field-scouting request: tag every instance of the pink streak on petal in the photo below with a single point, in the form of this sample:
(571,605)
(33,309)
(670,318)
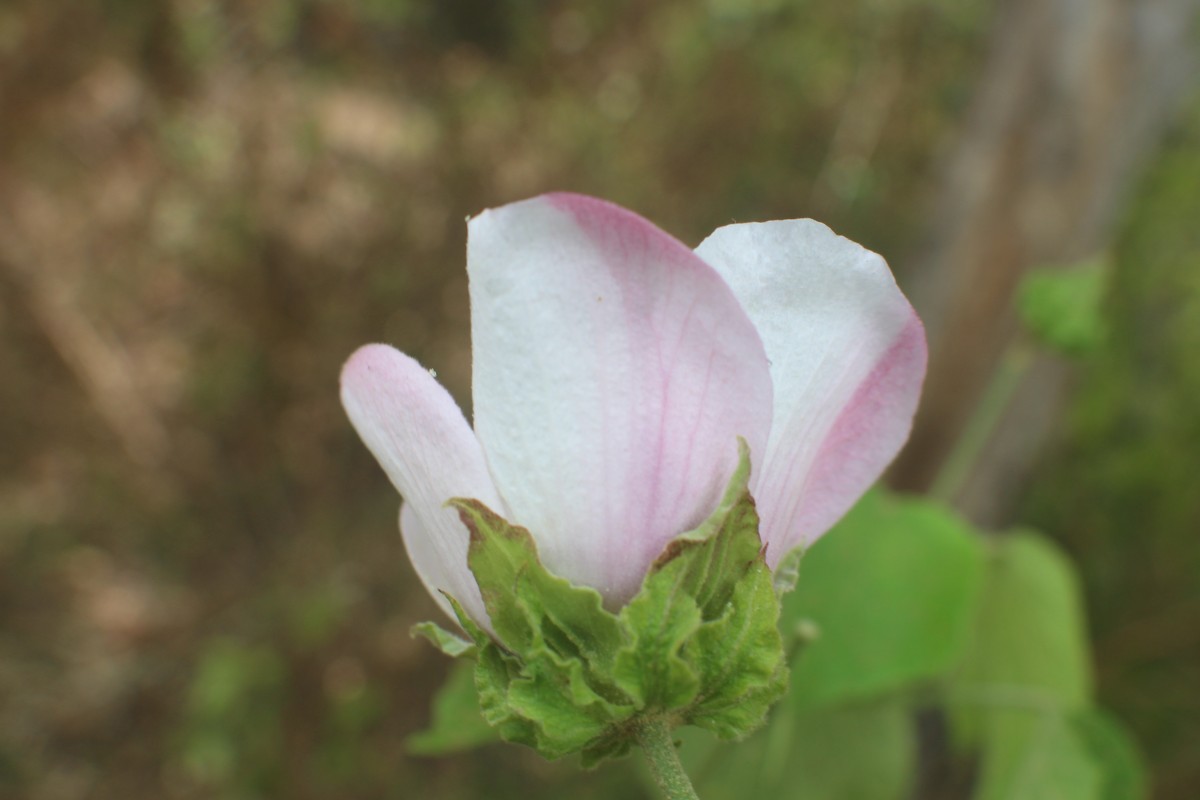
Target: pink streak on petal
(867,433)
(614,371)
(618,228)
(848,358)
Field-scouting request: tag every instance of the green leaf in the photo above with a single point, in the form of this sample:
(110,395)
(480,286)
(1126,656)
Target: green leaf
(1052,755)
(1029,651)
(1062,307)
(864,752)
(893,590)
(457,723)
(1037,756)
(1124,772)
(1026,678)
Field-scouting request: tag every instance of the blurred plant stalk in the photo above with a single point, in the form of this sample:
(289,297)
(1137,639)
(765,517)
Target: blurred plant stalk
(1073,99)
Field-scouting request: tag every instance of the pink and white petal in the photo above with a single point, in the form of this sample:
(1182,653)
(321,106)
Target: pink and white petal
(422,548)
(424,444)
(614,371)
(847,356)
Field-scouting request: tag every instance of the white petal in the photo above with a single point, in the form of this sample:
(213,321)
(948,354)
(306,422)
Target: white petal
(423,547)
(420,438)
(614,371)
(847,357)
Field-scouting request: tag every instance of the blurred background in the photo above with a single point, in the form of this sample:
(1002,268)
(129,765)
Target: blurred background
(206,206)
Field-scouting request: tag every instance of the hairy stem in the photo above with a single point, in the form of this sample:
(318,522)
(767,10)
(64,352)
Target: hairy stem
(654,735)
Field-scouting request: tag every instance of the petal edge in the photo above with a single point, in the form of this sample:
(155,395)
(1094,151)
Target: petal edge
(847,357)
(614,371)
(419,436)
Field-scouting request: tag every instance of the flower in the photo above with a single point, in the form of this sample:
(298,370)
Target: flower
(613,371)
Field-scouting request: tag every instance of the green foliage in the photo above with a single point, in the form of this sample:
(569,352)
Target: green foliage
(1029,649)
(1034,754)
(457,724)
(342,760)
(1022,694)
(905,596)
(314,616)
(233,715)
(1119,487)
(892,590)
(698,645)
(865,752)
(1108,743)
(1062,307)
(1044,754)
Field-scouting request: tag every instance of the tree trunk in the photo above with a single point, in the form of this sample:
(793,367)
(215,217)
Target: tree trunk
(1073,98)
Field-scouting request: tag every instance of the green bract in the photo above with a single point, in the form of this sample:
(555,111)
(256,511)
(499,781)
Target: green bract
(698,645)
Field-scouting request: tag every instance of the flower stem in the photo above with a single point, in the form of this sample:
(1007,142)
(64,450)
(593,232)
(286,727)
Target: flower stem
(654,735)
(983,422)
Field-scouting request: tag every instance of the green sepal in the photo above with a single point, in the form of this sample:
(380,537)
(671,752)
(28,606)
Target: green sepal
(741,659)
(706,639)
(449,643)
(543,680)
(616,744)
(477,634)
(529,607)
(662,617)
(698,644)
(718,553)
(494,672)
